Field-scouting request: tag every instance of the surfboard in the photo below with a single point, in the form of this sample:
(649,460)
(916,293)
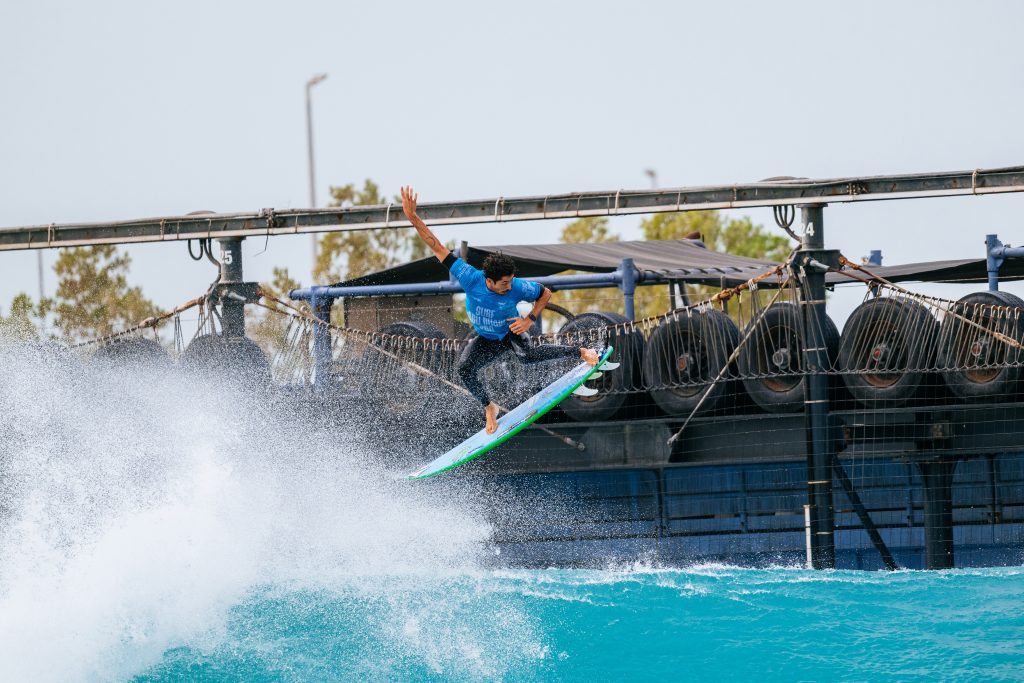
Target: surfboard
(514,421)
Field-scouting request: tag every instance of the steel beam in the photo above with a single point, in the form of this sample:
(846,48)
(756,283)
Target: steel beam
(775,192)
(232,307)
(556,283)
(821,448)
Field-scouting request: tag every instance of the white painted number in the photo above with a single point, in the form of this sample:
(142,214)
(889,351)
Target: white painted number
(808,229)
(227,256)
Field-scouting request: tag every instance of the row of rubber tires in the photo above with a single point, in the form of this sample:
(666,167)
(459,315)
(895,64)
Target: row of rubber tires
(889,350)
(234,359)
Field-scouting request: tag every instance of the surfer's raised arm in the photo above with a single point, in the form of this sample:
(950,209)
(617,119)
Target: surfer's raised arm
(426,234)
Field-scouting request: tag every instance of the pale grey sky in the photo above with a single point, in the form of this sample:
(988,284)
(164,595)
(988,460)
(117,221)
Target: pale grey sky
(117,110)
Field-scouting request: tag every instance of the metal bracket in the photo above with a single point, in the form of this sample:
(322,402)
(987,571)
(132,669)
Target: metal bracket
(236,291)
(825,257)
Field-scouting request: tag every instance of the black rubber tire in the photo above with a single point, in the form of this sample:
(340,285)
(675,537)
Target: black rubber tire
(776,345)
(397,389)
(238,361)
(130,352)
(704,340)
(615,388)
(975,365)
(887,351)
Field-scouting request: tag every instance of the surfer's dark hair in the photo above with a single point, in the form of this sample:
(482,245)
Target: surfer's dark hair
(498,265)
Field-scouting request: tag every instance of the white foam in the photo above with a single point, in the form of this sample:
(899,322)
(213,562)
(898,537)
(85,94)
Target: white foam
(138,509)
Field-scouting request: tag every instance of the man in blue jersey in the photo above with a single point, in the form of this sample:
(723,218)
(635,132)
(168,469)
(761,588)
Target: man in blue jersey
(491,298)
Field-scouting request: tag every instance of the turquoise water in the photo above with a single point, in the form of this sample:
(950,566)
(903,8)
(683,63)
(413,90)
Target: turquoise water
(708,623)
(154,529)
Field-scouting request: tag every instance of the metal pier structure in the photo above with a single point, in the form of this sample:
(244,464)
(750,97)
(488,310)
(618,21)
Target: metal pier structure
(815,431)
(268,221)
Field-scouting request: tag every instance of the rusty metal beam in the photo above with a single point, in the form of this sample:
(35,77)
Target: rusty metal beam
(773,192)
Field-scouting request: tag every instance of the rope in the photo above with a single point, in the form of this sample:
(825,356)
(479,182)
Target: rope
(152,321)
(950,310)
(725,367)
(415,367)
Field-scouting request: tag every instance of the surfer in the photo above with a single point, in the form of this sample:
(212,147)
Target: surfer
(491,298)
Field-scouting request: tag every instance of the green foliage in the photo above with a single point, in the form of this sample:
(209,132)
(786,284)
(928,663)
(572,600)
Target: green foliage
(25,318)
(93,297)
(738,236)
(268,328)
(346,255)
(591,230)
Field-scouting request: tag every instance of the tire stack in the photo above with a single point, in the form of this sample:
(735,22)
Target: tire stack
(686,364)
(976,361)
(618,390)
(771,361)
(887,351)
(235,361)
(394,387)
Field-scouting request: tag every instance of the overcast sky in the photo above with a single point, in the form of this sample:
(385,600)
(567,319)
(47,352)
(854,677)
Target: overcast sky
(115,110)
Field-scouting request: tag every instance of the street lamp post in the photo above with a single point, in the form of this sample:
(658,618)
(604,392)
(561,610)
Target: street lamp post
(309,148)
(653,175)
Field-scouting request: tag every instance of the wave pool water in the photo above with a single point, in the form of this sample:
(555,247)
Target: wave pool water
(154,528)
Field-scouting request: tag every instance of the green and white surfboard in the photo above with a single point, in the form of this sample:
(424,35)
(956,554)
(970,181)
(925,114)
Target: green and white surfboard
(515,420)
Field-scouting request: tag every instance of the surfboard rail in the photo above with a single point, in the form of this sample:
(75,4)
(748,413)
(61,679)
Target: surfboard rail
(514,421)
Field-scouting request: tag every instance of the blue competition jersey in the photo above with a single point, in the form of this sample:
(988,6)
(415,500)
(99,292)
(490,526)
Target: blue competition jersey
(489,312)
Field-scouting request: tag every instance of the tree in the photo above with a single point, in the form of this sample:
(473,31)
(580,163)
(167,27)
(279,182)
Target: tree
(346,255)
(738,236)
(590,230)
(24,320)
(268,329)
(93,297)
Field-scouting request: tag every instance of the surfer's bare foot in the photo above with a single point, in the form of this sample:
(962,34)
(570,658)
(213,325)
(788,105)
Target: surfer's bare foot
(491,415)
(589,356)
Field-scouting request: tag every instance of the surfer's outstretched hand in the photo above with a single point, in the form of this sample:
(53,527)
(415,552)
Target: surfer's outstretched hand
(589,356)
(409,199)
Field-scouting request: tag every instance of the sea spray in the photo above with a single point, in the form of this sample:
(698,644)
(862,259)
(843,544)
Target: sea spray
(144,511)
(158,528)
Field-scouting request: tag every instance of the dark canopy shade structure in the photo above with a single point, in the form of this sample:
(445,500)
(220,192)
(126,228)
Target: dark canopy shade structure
(683,260)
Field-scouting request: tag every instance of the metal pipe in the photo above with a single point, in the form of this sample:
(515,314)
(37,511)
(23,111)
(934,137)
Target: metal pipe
(937,484)
(554,282)
(820,446)
(505,209)
(628,278)
(992,244)
(232,310)
(863,515)
(995,254)
(309,151)
(321,340)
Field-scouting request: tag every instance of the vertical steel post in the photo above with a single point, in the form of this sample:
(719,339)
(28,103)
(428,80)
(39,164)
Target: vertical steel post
(309,154)
(232,311)
(937,485)
(628,285)
(321,338)
(819,443)
(992,243)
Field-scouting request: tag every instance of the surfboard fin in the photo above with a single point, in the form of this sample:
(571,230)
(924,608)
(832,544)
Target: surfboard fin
(607,365)
(584,391)
(596,375)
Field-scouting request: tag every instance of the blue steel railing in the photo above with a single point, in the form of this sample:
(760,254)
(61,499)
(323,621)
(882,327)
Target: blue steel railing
(996,252)
(626,277)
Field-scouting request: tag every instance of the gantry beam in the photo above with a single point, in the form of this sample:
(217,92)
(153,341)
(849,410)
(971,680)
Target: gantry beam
(773,192)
